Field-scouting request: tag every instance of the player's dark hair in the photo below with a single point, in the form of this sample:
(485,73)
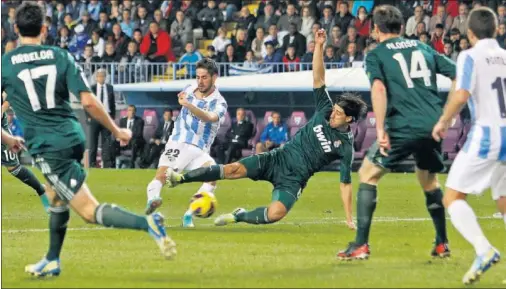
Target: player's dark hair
(209,65)
(353,105)
(388,18)
(482,22)
(29,19)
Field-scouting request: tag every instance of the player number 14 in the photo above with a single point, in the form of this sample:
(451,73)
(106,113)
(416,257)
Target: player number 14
(29,75)
(500,85)
(419,68)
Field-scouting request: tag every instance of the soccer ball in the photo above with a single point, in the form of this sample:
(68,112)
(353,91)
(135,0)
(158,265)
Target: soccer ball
(203,204)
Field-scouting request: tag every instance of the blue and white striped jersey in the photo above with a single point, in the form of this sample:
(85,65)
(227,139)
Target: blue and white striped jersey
(481,71)
(190,129)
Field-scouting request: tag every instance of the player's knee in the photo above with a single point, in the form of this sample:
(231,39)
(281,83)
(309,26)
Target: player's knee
(367,175)
(451,196)
(276,212)
(160,175)
(12,170)
(58,208)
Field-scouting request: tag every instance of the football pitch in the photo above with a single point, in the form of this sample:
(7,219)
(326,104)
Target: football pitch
(299,251)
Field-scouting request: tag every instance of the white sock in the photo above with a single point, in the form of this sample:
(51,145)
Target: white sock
(207,187)
(465,221)
(504,217)
(154,189)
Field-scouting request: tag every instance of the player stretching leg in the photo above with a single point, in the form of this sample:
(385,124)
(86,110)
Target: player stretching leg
(41,79)
(11,162)
(194,133)
(325,138)
(481,82)
(407,105)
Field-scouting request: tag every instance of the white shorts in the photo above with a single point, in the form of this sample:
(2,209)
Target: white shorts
(472,175)
(183,157)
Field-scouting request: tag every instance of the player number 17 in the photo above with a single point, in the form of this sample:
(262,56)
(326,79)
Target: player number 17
(418,66)
(29,75)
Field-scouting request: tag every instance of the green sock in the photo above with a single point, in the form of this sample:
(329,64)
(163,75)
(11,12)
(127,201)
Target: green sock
(257,216)
(203,175)
(58,221)
(27,177)
(366,204)
(113,216)
(434,202)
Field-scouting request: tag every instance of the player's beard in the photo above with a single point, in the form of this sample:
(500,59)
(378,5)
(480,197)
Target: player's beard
(206,89)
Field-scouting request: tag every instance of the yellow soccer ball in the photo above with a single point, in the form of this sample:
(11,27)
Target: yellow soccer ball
(203,204)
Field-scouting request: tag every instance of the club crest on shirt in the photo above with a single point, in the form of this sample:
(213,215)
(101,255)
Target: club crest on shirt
(337,143)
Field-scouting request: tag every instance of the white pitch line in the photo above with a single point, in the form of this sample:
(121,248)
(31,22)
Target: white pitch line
(332,220)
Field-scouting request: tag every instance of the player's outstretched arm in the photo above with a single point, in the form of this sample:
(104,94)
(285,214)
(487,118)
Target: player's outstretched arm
(318,66)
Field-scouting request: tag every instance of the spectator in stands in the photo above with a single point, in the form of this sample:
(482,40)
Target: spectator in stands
(308,56)
(437,38)
(442,18)
(69,23)
(268,18)
(181,30)
(227,58)
(156,45)
(231,7)
(273,56)
(247,21)
(289,18)
(51,27)
(88,24)
(87,60)
(127,25)
(120,40)
(291,60)
(250,61)
(352,37)
(412,24)
(344,17)
(463,44)
(327,21)
(78,41)
(352,54)
(112,9)
(501,13)
(110,55)
(221,41)
(45,38)
(370,46)
(275,135)
(136,125)
(330,57)
(104,24)
(210,18)
(363,23)
(138,37)
(97,42)
(240,44)
(105,94)
(257,44)
(316,26)
(424,37)
(449,51)
(273,37)
(190,59)
(143,20)
(59,15)
(501,35)
(335,37)
(75,8)
(237,137)
(13,124)
(94,8)
(8,24)
(157,143)
(152,6)
(127,5)
(455,39)
(211,53)
(307,22)
(130,64)
(295,39)
(460,22)
(162,22)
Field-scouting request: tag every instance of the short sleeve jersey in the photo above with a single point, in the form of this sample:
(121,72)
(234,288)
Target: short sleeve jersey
(38,81)
(317,144)
(408,69)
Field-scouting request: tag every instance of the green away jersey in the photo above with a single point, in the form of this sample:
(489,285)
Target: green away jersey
(317,144)
(38,80)
(408,70)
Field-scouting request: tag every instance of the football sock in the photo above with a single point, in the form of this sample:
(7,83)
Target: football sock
(207,174)
(58,221)
(257,216)
(366,204)
(113,216)
(206,187)
(27,177)
(434,202)
(154,189)
(464,220)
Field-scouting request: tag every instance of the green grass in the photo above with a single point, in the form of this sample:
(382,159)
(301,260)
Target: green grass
(299,251)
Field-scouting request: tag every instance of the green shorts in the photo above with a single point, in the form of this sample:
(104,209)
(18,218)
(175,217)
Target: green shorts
(9,159)
(426,151)
(63,170)
(273,168)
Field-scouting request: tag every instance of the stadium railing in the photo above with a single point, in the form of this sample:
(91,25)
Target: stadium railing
(124,73)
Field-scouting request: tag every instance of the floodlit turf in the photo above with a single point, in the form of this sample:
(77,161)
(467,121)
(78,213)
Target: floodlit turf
(297,252)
